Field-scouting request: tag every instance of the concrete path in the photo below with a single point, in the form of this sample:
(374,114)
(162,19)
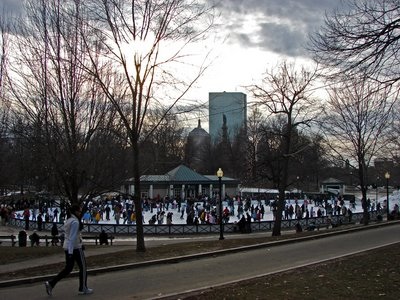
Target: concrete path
(120,243)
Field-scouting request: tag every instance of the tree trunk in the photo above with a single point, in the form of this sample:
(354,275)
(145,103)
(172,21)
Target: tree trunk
(276,231)
(364,204)
(362,177)
(140,246)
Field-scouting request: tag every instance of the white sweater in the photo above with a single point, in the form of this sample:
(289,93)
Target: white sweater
(72,235)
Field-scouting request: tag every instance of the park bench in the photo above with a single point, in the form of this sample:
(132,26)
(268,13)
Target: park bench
(12,239)
(94,238)
(47,239)
(334,225)
(348,223)
(97,239)
(323,225)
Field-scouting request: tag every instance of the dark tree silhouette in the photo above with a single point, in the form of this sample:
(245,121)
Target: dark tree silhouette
(361,38)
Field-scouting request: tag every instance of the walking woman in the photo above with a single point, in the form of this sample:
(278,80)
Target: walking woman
(73,252)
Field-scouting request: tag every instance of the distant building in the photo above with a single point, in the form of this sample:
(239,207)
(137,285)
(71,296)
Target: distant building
(333,186)
(228,106)
(182,183)
(197,152)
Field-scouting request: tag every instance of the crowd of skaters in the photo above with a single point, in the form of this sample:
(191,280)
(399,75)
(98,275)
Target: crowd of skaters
(329,207)
(121,210)
(201,210)
(31,210)
(204,209)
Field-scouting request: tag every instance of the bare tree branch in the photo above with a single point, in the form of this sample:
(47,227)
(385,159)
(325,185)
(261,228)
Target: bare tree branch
(287,95)
(147,46)
(364,39)
(355,124)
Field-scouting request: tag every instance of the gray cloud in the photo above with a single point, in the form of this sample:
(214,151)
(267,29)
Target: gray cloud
(9,11)
(284,26)
(282,39)
(10,5)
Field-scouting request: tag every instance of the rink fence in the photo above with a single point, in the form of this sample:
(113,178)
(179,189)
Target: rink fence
(184,229)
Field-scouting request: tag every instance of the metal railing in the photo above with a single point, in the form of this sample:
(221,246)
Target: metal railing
(183,229)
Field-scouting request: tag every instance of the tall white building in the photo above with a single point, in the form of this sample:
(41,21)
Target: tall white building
(232,105)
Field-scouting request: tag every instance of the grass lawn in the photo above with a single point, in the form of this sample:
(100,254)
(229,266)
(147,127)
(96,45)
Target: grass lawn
(370,275)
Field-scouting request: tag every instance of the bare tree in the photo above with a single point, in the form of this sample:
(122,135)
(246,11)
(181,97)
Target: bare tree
(392,149)
(239,154)
(52,90)
(163,147)
(107,153)
(287,96)
(146,52)
(355,125)
(255,124)
(4,105)
(4,40)
(362,37)
(313,162)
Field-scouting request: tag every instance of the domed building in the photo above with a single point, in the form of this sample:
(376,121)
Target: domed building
(197,152)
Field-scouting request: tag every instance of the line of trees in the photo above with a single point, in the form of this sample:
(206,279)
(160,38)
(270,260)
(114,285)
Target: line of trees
(90,91)
(84,74)
(358,50)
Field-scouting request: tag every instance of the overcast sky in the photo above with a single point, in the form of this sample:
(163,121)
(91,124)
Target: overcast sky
(280,26)
(257,35)
(11,5)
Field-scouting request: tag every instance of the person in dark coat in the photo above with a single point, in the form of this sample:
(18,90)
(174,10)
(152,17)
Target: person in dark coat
(248,223)
(298,228)
(103,238)
(39,221)
(242,224)
(54,234)
(35,239)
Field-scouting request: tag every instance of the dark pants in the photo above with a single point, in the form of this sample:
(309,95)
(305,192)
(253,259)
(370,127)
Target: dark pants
(78,257)
(26,223)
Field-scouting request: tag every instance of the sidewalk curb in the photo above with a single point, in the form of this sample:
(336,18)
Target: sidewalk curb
(177,259)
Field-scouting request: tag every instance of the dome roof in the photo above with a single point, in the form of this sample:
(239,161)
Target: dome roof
(198,131)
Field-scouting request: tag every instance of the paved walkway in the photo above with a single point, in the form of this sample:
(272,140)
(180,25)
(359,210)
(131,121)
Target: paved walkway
(120,243)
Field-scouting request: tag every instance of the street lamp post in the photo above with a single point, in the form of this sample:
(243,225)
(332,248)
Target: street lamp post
(387,176)
(220,173)
(297,187)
